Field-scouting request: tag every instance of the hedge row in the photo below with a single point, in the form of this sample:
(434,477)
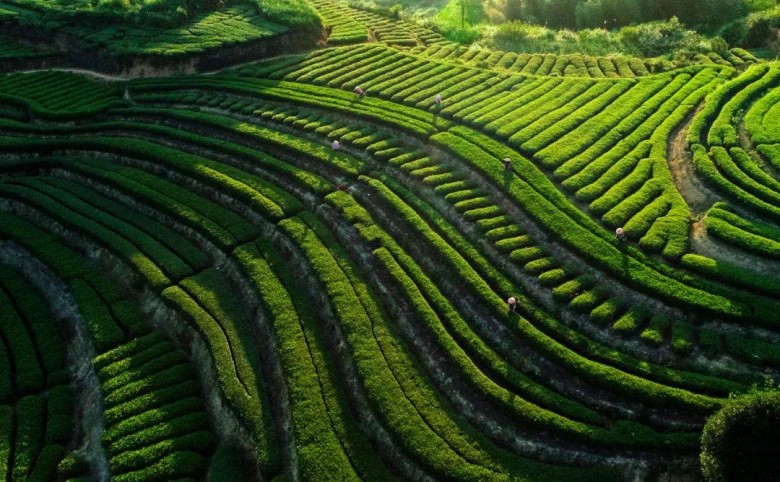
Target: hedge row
(600,123)
(151,188)
(721,170)
(157,264)
(548,207)
(549,128)
(22,373)
(761,119)
(149,390)
(701,123)
(207,303)
(319,453)
(439,317)
(541,340)
(753,236)
(182,247)
(352,437)
(723,132)
(729,273)
(433,451)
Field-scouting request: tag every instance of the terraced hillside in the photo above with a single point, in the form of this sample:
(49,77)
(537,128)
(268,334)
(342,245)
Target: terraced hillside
(260,273)
(145,37)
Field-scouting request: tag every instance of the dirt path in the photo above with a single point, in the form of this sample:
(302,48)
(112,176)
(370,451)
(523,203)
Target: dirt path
(699,199)
(87,73)
(705,245)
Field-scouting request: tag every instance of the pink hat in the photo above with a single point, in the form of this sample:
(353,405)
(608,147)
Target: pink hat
(619,231)
(512,300)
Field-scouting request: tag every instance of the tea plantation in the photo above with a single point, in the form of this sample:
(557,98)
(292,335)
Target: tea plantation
(297,268)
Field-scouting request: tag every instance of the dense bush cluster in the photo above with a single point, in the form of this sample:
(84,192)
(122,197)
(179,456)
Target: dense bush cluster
(739,442)
(618,13)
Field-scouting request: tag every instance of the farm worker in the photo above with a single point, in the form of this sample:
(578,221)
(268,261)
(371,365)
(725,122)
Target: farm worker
(511,303)
(336,145)
(507,164)
(619,234)
(437,100)
(360,92)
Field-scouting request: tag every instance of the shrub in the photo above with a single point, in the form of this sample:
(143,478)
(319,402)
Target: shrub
(740,442)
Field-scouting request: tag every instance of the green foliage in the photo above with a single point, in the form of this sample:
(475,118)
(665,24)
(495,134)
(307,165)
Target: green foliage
(754,236)
(739,442)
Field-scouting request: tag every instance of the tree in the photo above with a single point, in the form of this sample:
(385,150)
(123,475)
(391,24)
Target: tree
(740,443)
(513,9)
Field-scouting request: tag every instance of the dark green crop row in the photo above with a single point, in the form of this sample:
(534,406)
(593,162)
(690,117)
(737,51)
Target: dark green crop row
(223,226)
(103,328)
(715,100)
(208,172)
(279,140)
(152,381)
(547,129)
(420,123)
(158,398)
(120,243)
(149,394)
(374,364)
(22,374)
(319,452)
(207,303)
(548,207)
(151,360)
(753,236)
(181,462)
(179,245)
(58,95)
(729,273)
(577,141)
(721,170)
(761,120)
(592,370)
(436,314)
(723,132)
